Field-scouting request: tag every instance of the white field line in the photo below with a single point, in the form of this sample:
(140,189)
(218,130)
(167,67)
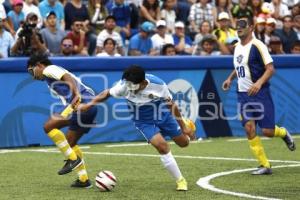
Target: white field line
(145,144)
(204,183)
(150,155)
(245,139)
(262,138)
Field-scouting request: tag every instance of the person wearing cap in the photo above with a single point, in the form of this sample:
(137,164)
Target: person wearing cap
(29,40)
(6,40)
(259,30)
(161,37)
(47,6)
(109,32)
(183,43)
(253,68)
(224,31)
(269,29)
(154,114)
(29,7)
(16,16)
(141,43)
(52,36)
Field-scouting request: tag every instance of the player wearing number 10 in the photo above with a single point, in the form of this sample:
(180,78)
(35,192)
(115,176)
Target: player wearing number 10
(253,68)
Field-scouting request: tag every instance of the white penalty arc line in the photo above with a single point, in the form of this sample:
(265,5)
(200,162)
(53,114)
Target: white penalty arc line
(204,182)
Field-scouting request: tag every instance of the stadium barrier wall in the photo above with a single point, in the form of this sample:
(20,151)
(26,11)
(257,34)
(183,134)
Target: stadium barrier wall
(194,82)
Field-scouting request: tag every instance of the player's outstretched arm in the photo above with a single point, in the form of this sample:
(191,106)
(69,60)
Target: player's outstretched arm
(99,98)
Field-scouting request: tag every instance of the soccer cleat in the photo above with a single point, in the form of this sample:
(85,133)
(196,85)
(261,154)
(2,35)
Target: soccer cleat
(70,165)
(289,141)
(78,184)
(181,185)
(262,171)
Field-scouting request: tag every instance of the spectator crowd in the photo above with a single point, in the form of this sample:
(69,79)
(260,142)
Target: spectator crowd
(143,27)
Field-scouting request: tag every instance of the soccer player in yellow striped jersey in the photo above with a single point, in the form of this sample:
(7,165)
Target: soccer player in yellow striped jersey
(71,91)
(253,67)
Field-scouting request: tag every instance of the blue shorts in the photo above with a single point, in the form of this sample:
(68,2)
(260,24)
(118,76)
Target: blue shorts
(82,122)
(168,126)
(259,108)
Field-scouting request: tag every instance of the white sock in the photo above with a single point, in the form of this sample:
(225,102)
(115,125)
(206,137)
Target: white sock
(170,164)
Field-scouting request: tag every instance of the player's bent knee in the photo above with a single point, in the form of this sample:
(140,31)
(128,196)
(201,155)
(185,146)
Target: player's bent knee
(163,148)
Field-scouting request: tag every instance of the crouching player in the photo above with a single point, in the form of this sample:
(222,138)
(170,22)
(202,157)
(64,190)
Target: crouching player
(71,91)
(151,102)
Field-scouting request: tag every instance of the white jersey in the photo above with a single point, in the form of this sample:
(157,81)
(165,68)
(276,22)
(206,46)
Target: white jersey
(155,90)
(249,63)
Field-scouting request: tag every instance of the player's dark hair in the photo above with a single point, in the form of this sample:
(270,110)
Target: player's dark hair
(166,47)
(110,17)
(134,73)
(38,58)
(250,19)
(296,44)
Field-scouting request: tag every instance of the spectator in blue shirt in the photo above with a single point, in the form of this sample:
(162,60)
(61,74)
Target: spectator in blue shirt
(16,16)
(46,6)
(141,43)
(182,42)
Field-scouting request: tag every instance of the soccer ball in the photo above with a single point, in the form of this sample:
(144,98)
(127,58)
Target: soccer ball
(105,181)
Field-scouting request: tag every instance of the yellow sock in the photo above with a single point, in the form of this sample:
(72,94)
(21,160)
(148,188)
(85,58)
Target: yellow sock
(81,170)
(259,152)
(61,142)
(279,132)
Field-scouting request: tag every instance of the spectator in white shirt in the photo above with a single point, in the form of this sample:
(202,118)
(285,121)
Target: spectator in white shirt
(108,32)
(161,37)
(109,49)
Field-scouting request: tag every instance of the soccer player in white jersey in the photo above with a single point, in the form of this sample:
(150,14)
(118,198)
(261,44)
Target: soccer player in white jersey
(71,91)
(253,67)
(153,114)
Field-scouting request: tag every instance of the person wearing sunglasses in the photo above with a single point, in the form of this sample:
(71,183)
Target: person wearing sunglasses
(154,115)
(67,47)
(253,67)
(71,91)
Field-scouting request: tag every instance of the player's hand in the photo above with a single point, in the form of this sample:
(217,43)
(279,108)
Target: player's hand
(76,101)
(189,132)
(254,89)
(226,84)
